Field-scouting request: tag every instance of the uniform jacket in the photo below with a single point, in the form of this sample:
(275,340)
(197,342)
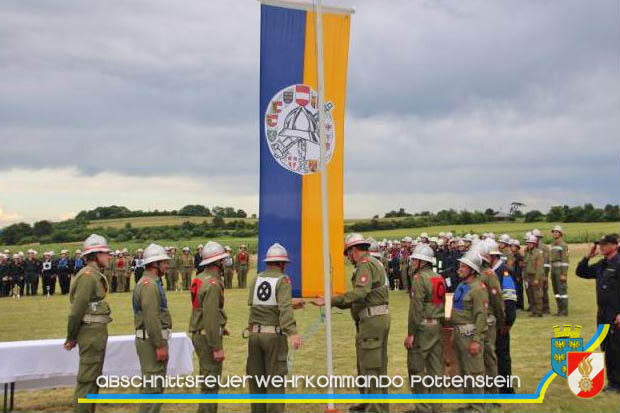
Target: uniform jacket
(606,272)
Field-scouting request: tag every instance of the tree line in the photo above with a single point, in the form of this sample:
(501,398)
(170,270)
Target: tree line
(563,213)
(114,211)
(77,230)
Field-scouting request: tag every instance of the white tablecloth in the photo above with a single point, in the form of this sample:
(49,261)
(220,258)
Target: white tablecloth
(37,364)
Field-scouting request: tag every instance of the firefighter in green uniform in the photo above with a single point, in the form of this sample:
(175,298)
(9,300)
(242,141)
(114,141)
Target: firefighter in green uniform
(368,302)
(271,321)
(89,318)
(208,320)
(108,272)
(426,307)
(559,270)
(496,318)
(533,267)
(546,269)
(186,262)
(172,274)
(469,318)
(507,255)
(228,268)
(152,321)
(242,266)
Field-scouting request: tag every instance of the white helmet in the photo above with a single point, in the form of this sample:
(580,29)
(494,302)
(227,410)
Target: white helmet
(15,256)
(468,238)
(532,239)
(504,239)
(154,253)
(227,248)
(442,234)
(7,252)
(449,235)
(473,260)
(491,235)
(423,252)
(484,248)
(557,228)
(139,250)
(527,235)
(199,246)
(212,252)
(95,243)
(441,241)
(407,239)
(424,235)
(21,254)
(353,239)
(64,252)
(373,249)
(515,242)
(76,252)
(536,232)
(186,249)
(433,239)
(276,253)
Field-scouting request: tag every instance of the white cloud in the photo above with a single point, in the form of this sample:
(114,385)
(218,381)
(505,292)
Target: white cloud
(448,102)
(7,217)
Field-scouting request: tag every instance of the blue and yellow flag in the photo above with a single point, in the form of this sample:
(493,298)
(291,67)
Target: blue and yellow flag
(290,183)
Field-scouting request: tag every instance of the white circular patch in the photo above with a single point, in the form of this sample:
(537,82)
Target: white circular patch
(292,129)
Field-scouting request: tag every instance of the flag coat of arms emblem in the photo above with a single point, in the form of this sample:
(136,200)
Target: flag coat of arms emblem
(559,348)
(586,373)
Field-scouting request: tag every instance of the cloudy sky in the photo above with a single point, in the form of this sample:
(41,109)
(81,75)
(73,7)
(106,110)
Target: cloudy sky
(451,104)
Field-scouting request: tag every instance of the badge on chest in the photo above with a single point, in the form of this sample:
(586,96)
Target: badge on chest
(265,291)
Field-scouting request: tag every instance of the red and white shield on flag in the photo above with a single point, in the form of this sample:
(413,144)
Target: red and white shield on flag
(586,373)
(292,161)
(302,94)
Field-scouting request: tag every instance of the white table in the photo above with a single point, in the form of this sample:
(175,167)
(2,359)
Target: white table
(40,364)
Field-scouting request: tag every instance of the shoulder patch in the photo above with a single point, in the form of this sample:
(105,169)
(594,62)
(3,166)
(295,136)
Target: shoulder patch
(287,279)
(363,279)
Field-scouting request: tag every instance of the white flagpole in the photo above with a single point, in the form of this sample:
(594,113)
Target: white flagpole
(324,202)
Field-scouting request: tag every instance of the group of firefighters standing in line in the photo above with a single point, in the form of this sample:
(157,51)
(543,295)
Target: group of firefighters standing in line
(476,306)
(531,267)
(21,272)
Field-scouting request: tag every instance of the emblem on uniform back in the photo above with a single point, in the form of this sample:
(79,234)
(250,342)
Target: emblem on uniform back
(566,339)
(264,291)
(292,129)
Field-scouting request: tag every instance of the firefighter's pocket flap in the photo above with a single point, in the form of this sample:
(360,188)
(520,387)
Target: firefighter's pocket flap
(370,343)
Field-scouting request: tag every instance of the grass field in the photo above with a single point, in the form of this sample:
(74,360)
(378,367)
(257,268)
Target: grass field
(37,318)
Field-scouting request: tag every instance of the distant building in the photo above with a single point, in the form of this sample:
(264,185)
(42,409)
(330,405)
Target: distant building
(502,216)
